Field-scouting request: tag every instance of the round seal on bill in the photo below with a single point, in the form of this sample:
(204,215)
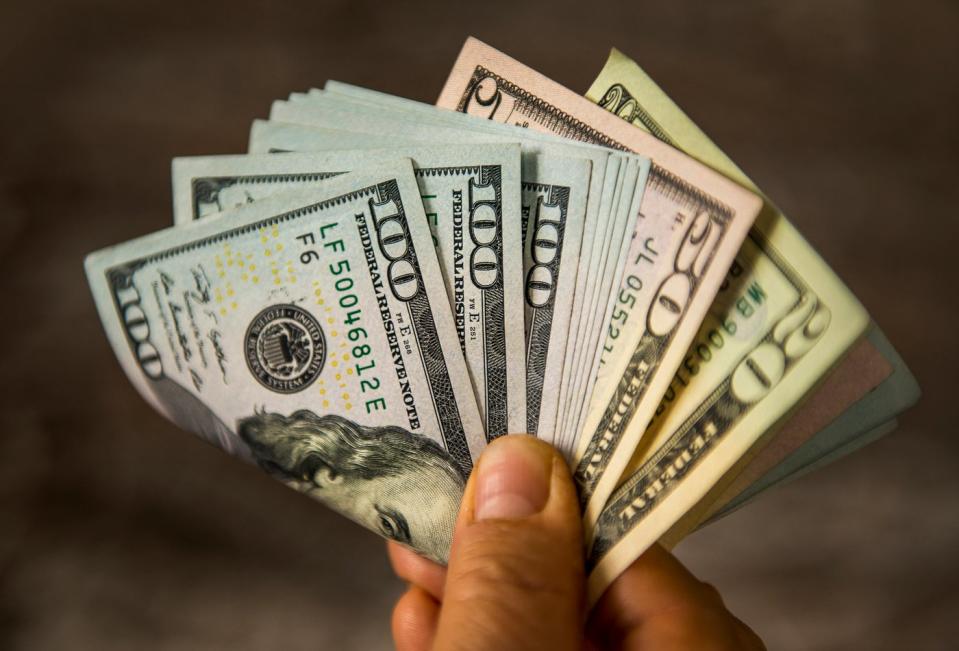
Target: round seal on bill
(285,348)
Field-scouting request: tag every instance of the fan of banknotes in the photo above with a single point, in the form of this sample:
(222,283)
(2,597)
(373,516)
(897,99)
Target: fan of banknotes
(380,287)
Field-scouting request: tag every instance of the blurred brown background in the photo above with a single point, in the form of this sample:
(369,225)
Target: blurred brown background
(118,531)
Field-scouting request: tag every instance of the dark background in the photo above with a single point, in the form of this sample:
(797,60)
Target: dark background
(118,531)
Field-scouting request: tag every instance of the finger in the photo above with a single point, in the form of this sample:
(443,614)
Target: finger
(658,604)
(656,581)
(414,620)
(515,577)
(748,637)
(415,569)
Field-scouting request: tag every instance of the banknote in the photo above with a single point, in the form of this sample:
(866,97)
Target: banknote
(862,369)
(781,322)
(549,169)
(859,372)
(309,333)
(601,266)
(693,221)
(553,219)
(615,256)
(471,195)
(871,417)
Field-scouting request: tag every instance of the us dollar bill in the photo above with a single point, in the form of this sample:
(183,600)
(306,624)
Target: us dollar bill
(693,222)
(781,320)
(861,370)
(556,182)
(472,200)
(615,255)
(309,333)
(553,216)
(857,426)
(614,194)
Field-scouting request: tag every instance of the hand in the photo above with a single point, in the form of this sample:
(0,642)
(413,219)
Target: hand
(516,581)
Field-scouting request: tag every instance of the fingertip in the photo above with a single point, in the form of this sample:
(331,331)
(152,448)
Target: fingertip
(414,620)
(417,570)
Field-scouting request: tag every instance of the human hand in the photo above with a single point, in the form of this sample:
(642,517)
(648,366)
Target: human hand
(515,578)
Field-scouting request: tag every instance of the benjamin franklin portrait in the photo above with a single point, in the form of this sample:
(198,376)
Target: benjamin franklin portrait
(402,486)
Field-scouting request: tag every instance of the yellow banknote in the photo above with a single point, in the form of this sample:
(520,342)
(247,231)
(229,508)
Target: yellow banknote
(780,322)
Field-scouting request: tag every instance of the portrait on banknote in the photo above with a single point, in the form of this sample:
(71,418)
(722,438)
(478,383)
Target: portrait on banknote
(391,481)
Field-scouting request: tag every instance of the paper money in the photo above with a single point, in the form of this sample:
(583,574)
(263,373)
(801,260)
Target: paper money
(613,260)
(566,170)
(862,369)
(310,333)
(472,203)
(781,322)
(553,220)
(693,222)
(601,261)
(868,419)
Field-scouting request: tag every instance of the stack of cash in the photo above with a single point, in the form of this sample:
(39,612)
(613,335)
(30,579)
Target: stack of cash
(381,287)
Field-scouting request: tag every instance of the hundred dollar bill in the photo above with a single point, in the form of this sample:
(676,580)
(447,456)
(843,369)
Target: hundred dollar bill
(554,196)
(601,264)
(553,216)
(327,110)
(693,222)
(309,333)
(781,321)
(472,201)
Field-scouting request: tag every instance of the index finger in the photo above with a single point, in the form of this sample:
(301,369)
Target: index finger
(415,569)
(658,604)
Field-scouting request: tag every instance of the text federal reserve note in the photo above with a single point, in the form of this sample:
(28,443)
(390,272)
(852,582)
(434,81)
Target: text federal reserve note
(556,183)
(472,202)
(309,333)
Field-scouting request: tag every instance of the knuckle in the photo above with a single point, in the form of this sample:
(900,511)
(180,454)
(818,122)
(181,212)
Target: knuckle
(711,595)
(713,628)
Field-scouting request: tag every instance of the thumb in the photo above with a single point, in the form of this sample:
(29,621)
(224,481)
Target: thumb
(515,577)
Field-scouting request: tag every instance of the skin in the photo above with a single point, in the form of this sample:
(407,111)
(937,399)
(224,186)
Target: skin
(518,583)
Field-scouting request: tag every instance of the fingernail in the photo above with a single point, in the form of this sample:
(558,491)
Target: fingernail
(513,479)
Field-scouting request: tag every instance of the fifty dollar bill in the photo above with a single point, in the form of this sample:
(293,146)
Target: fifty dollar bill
(693,222)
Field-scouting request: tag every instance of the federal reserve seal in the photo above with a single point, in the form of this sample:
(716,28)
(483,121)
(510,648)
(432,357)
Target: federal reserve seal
(285,348)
